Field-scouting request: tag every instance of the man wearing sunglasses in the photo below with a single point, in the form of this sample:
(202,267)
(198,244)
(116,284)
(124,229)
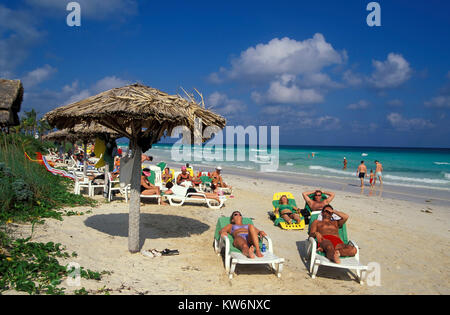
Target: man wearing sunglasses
(316,203)
(326,231)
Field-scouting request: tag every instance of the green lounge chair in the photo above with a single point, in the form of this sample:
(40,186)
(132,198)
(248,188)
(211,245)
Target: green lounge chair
(317,258)
(234,256)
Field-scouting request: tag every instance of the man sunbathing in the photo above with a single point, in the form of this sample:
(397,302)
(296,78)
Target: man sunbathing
(245,235)
(217,178)
(316,203)
(326,232)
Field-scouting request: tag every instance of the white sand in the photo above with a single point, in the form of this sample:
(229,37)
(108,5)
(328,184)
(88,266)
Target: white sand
(411,246)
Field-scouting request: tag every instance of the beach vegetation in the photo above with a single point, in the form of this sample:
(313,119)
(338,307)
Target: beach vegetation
(29,194)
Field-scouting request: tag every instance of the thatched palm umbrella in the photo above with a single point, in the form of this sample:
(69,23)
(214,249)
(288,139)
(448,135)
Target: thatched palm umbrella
(11,96)
(84,133)
(143,115)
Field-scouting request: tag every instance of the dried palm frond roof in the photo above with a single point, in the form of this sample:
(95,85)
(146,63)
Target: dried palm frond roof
(135,106)
(11,96)
(81,132)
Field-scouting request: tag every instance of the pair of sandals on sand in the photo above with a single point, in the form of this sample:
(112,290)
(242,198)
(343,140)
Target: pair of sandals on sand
(155,253)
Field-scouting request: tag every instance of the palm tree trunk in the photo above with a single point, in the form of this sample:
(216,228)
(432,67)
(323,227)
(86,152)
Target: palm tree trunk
(135,201)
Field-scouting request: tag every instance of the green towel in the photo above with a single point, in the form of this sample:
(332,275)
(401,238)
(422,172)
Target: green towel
(162,165)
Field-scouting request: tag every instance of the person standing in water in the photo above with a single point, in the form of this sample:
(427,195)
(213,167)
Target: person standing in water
(345,163)
(378,172)
(361,172)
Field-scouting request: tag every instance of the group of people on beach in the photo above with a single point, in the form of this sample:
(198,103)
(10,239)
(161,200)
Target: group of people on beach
(185,183)
(362,171)
(325,230)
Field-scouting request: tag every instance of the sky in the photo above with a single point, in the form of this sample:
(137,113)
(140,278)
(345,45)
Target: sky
(316,69)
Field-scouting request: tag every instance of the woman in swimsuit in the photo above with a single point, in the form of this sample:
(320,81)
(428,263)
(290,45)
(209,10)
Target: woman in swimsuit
(148,188)
(286,210)
(245,235)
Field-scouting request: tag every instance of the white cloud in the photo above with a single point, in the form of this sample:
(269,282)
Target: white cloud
(18,33)
(224,105)
(284,90)
(443,98)
(108,83)
(283,56)
(38,75)
(321,123)
(442,101)
(46,100)
(403,124)
(362,104)
(395,102)
(390,73)
(352,78)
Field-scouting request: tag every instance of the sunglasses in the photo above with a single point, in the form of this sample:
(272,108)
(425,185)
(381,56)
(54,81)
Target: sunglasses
(236,213)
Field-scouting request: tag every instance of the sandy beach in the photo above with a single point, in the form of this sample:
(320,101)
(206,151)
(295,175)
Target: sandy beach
(409,240)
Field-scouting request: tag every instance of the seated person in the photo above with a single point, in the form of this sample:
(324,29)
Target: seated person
(316,203)
(286,210)
(326,231)
(245,236)
(184,176)
(145,157)
(217,178)
(116,171)
(166,176)
(183,191)
(148,188)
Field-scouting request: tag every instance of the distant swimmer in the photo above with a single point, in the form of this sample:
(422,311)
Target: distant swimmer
(378,172)
(361,172)
(345,163)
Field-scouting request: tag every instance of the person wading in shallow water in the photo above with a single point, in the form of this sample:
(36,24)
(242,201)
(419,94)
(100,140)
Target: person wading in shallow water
(361,172)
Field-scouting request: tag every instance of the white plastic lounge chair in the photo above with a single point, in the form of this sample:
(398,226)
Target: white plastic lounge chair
(179,200)
(157,197)
(317,259)
(234,256)
(113,187)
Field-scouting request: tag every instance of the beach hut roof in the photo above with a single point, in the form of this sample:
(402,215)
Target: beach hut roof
(135,106)
(11,96)
(142,114)
(81,132)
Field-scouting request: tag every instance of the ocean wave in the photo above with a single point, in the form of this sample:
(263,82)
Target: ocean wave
(417,180)
(442,163)
(289,164)
(447,175)
(327,169)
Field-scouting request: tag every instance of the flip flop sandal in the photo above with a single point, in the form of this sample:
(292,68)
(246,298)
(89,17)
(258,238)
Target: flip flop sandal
(147,254)
(169,252)
(155,253)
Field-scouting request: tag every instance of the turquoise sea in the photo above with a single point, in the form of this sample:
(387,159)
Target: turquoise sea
(409,167)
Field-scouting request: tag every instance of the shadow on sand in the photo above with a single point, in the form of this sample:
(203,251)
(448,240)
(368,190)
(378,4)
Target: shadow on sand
(153,226)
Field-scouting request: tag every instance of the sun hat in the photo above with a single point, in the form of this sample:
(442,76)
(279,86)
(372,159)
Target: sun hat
(218,168)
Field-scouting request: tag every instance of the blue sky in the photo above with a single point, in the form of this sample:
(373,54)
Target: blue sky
(314,68)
